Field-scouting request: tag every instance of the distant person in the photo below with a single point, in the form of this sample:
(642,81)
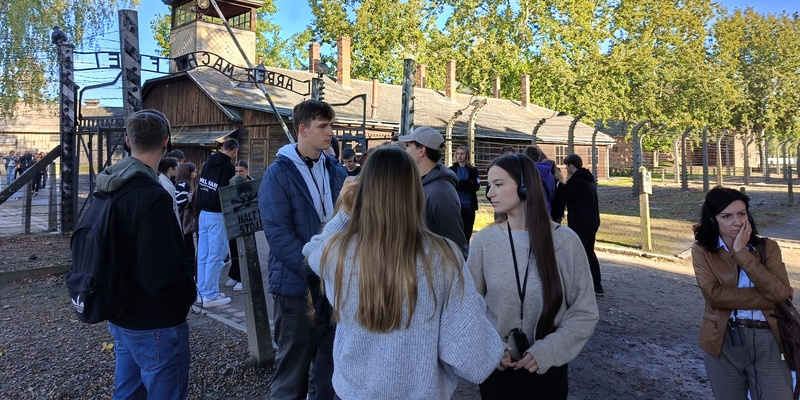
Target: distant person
(442,207)
(177,154)
(412,336)
(579,196)
(212,240)
(184,198)
(545,169)
(349,162)
(2,170)
(42,175)
(167,171)
(151,338)
(508,150)
(235,273)
(536,282)
(467,188)
(296,200)
(25,162)
(739,332)
(11,166)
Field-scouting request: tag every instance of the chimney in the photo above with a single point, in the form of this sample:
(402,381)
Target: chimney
(313,57)
(526,90)
(422,76)
(450,82)
(343,62)
(496,87)
(374,113)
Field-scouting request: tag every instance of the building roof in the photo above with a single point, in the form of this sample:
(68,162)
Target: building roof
(497,119)
(41,118)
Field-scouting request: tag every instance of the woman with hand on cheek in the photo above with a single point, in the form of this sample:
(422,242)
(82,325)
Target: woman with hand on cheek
(535,278)
(739,333)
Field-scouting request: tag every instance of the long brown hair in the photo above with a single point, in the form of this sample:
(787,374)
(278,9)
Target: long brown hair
(185,171)
(538,225)
(466,151)
(390,239)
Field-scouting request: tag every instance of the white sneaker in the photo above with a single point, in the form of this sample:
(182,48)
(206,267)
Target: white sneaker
(198,300)
(231,282)
(237,287)
(219,301)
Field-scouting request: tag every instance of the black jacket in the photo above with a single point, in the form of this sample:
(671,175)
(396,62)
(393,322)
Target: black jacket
(579,195)
(442,206)
(147,244)
(469,185)
(217,173)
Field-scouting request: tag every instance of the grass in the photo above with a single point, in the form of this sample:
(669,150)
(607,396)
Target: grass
(672,212)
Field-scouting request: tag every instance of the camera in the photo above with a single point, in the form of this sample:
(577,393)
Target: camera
(517,340)
(735,332)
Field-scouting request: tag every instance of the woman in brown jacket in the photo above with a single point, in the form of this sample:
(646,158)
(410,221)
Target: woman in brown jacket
(738,333)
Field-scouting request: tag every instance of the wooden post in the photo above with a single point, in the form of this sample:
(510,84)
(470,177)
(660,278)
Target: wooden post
(407,107)
(27,198)
(242,220)
(676,164)
(448,138)
(69,171)
(644,208)
(53,209)
(684,161)
(259,337)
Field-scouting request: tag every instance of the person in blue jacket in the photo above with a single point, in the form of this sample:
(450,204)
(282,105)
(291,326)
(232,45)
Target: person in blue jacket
(296,198)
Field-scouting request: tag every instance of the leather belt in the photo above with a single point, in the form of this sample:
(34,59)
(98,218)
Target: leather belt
(751,323)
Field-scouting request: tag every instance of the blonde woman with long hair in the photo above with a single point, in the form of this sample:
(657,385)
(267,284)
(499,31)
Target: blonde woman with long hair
(409,320)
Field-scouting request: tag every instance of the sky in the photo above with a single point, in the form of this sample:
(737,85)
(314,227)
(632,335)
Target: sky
(293,16)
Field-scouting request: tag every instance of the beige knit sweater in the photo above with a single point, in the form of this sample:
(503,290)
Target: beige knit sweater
(492,269)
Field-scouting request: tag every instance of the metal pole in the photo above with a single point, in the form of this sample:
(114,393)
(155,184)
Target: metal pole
(594,151)
(53,206)
(535,137)
(407,107)
(765,168)
(448,138)
(250,66)
(471,128)
(705,159)
(676,161)
(746,145)
(571,133)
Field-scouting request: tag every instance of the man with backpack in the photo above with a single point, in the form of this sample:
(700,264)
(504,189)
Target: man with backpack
(147,253)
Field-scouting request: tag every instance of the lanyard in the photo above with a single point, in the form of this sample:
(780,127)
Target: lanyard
(523,287)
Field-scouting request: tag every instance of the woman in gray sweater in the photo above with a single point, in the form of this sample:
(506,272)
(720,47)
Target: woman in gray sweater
(409,320)
(535,278)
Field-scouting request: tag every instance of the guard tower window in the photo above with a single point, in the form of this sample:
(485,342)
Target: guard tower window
(185,13)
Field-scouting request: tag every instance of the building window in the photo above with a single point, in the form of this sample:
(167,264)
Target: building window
(185,13)
(561,152)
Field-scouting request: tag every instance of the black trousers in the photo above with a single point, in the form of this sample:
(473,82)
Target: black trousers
(587,237)
(468,217)
(234,273)
(522,385)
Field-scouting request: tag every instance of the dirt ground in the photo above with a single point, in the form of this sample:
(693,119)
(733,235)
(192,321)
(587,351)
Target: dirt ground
(644,347)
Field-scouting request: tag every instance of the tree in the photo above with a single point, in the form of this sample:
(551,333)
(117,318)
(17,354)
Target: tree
(28,66)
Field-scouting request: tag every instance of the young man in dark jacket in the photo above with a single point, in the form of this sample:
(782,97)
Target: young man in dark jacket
(296,198)
(152,336)
(442,206)
(579,195)
(212,241)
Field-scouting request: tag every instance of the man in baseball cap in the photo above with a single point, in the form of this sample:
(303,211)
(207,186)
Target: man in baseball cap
(442,206)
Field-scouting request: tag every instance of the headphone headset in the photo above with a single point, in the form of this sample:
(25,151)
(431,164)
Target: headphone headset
(163,118)
(522,190)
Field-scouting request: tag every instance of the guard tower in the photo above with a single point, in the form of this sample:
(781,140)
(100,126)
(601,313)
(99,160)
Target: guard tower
(197,27)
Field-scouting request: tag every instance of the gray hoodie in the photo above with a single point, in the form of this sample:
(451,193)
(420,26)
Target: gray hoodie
(117,175)
(442,206)
(316,178)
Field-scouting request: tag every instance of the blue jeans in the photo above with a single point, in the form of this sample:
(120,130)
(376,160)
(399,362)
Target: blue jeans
(212,247)
(151,364)
(10,171)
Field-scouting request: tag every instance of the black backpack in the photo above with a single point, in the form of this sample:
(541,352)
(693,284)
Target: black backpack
(98,290)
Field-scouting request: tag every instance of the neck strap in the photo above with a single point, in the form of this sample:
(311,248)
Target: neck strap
(521,287)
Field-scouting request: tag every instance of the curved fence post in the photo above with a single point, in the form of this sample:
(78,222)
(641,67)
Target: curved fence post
(637,156)
(571,133)
(448,138)
(473,117)
(719,158)
(705,159)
